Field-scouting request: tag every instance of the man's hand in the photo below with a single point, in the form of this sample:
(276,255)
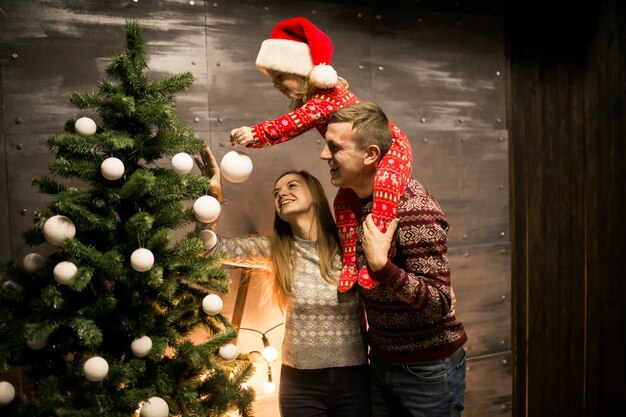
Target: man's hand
(241,136)
(376,244)
(210,168)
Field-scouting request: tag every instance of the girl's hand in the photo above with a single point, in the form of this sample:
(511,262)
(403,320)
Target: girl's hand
(376,244)
(210,168)
(241,136)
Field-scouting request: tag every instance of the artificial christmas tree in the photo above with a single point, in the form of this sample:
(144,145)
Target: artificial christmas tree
(101,326)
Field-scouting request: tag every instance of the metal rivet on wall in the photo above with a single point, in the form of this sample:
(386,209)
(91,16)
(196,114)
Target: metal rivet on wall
(467,255)
(196,119)
(498,120)
(266,8)
(502,342)
(319,141)
(460,120)
(19,147)
(359,15)
(423,120)
(361,67)
(225,202)
(504,362)
(313,11)
(214,4)
(191,2)
(503,297)
(464,236)
(463,140)
(220,120)
(378,17)
(381,68)
(14,55)
(23,212)
(425,140)
(222,144)
(501,187)
(193,62)
(503,251)
(218,64)
(497,73)
(500,139)
(501,234)
(18,121)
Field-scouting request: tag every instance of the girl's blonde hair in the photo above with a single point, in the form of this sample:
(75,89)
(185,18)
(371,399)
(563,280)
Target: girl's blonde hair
(282,243)
(306,91)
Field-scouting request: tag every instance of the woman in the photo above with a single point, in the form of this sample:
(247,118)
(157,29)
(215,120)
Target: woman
(324,366)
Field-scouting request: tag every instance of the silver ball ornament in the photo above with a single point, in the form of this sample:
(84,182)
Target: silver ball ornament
(112,169)
(182,163)
(209,239)
(64,272)
(58,228)
(236,166)
(38,343)
(206,209)
(228,352)
(96,369)
(33,262)
(7,393)
(142,260)
(212,304)
(85,126)
(141,346)
(154,407)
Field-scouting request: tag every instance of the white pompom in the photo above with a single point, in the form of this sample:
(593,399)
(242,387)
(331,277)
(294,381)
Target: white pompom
(228,352)
(209,239)
(112,169)
(96,369)
(155,407)
(236,166)
(206,209)
(85,126)
(142,260)
(212,304)
(7,392)
(141,346)
(39,343)
(33,262)
(64,272)
(58,228)
(182,163)
(323,76)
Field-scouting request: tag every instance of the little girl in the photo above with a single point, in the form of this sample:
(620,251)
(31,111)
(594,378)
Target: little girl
(297,59)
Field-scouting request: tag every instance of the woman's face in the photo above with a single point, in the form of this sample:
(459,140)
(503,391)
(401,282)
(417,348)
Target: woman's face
(288,84)
(292,197)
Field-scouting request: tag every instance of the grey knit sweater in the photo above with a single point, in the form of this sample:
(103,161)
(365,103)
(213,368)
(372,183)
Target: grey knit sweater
(323,328)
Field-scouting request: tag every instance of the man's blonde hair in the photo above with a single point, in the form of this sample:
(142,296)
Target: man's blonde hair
(369,124)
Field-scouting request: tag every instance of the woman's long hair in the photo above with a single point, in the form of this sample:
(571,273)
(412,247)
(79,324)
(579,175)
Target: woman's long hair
(282,243)
(306,91)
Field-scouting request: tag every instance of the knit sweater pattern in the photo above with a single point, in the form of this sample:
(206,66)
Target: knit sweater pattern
(323,328)
(411,314)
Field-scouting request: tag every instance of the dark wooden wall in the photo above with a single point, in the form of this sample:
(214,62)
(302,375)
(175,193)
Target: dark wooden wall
(567,121)
(437,69)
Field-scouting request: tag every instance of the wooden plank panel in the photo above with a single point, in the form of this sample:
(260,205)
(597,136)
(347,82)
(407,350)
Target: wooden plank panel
(484,399)
(481,282)
(466,171)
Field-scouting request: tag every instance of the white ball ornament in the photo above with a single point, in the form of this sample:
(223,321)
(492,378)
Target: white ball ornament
(112,169)
(38,343)
(64,272)
(33,262)
(206,209)
(228,352)
(58,228)
(212,304)
(85,126)
(236,166)
(96,369)
(141,347)
(182,163)
(209,239)
(142,260)
(7,393)
(155,407)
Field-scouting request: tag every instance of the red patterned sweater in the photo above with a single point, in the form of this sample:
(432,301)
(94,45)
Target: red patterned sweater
(393,173)
(411,313)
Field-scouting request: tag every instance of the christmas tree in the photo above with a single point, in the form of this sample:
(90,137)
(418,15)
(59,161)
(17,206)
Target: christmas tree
(101,326)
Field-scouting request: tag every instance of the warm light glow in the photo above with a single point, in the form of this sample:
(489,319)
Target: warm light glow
(270,353)
(244,385)
(269,387)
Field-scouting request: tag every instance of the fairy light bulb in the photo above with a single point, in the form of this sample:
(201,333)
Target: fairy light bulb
(269,386)
(269,352)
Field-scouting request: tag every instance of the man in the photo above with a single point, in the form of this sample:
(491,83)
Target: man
(417,361)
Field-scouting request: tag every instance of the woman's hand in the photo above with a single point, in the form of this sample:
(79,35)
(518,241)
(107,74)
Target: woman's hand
(241,136)
(376,244)
(210,168)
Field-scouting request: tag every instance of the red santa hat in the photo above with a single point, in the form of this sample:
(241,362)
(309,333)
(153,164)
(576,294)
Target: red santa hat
(296,46)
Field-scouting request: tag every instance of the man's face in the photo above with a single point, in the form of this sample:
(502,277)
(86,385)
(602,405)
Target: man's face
(344,157)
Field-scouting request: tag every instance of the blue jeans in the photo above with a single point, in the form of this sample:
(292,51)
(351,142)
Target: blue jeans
(432,389)
(327,392)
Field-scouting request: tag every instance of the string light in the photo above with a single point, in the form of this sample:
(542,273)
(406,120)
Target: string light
(269,386)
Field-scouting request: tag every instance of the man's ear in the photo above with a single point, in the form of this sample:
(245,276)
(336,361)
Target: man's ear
(372,155)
